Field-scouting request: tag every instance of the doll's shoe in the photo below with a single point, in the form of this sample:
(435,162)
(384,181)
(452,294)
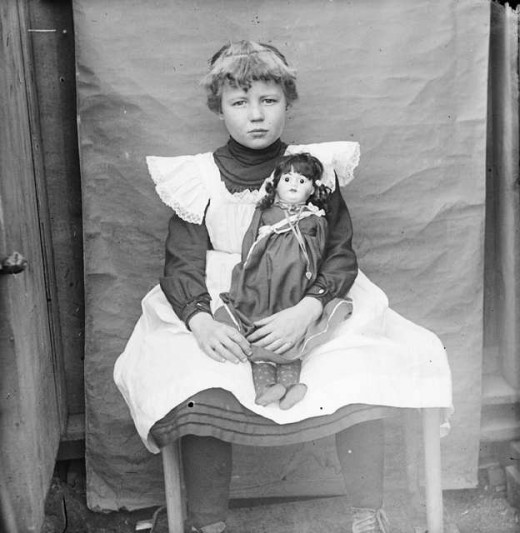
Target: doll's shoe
(272,393)
(218,527)
(369,521)
(295,393)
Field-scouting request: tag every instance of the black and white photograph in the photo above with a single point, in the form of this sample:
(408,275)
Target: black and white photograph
(259,266)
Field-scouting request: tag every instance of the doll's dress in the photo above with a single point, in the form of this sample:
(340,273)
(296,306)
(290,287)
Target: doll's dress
(376,357)
(281,257)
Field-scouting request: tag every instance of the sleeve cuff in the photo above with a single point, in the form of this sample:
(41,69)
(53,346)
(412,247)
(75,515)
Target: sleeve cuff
(320,293)
(201,305)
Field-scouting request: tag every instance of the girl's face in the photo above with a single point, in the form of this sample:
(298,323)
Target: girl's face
(294,188)
(254,118)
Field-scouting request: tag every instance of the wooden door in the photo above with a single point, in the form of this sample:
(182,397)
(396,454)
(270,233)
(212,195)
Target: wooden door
(32,412)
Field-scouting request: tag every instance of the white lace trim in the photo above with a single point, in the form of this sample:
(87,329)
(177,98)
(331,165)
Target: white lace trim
(247,196)
(179,184)
(182,182)
(180,210)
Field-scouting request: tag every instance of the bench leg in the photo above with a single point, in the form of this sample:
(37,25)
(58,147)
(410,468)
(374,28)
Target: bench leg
(413,452)
(172,485)
(432,464)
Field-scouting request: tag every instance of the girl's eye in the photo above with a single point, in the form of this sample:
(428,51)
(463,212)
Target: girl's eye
(238,103)
(270,101)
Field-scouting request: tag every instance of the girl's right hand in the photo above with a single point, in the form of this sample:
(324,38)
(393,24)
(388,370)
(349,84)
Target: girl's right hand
(219,341)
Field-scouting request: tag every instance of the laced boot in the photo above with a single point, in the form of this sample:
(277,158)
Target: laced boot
(369,521)
(217,527)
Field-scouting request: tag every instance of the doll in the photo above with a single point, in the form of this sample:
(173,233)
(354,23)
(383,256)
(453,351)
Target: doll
(281,256)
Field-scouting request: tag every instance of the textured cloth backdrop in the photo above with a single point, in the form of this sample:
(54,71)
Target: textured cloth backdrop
(407,79)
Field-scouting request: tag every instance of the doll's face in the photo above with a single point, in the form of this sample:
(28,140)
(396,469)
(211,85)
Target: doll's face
(294,188)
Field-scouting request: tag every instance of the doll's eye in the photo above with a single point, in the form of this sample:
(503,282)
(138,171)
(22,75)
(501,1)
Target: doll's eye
(302,181)
(286,179)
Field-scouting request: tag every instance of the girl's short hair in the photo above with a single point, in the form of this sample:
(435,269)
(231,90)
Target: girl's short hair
(305,164)
(240,63)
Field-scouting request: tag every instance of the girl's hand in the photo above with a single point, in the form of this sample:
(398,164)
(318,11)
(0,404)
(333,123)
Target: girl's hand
(279,332)
(219,341)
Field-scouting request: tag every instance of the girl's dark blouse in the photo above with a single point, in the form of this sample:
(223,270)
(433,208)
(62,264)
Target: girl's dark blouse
(242,168)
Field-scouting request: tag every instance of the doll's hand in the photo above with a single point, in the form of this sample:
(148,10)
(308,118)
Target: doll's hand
(279,332)
(219,341)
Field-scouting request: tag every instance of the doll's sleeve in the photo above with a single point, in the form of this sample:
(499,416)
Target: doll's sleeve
(339,267)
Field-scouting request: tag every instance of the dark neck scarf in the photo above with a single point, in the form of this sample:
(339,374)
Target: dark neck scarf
(245,168)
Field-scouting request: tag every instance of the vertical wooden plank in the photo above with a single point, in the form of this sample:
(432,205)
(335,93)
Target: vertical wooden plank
(30,422)
(42,207)
(491,362)
(504,91)
(54,73)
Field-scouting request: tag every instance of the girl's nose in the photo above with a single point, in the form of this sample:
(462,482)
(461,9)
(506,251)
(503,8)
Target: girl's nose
(256,112)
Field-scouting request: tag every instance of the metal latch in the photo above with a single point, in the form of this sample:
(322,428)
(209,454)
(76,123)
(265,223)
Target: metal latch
(14,264)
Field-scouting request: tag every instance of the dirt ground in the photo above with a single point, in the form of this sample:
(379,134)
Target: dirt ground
(481,510)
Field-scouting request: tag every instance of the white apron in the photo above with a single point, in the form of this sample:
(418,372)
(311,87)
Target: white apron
(377,357)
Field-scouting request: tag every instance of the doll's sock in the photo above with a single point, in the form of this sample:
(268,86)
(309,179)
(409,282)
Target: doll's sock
(289,373)
(289,376)
(295,393)
(270,394)
(266,388)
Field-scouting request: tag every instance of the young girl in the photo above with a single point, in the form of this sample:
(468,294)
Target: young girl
(172,364)
(281,257)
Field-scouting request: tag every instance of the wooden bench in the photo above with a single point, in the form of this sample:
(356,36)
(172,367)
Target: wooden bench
(432,460)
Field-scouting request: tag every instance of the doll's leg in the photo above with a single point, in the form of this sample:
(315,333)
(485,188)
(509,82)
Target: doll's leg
(288,375)
(207,475)
(266,388)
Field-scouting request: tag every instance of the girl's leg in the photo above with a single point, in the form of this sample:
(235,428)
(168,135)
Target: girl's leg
(266,388)
(207,476)
(360,450)
(288,375)
(361,454)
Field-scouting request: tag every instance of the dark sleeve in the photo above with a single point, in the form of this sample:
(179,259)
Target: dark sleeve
(184,280)
(339,267)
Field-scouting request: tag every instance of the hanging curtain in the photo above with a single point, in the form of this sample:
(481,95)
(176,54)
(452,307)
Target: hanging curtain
(407,79)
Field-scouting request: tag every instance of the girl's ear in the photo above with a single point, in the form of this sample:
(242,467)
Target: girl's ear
(221,115)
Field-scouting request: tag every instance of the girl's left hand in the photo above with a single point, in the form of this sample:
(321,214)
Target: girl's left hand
(279,332)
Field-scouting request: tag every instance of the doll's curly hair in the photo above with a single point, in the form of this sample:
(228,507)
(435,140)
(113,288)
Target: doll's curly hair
(242,62)
(305,164)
